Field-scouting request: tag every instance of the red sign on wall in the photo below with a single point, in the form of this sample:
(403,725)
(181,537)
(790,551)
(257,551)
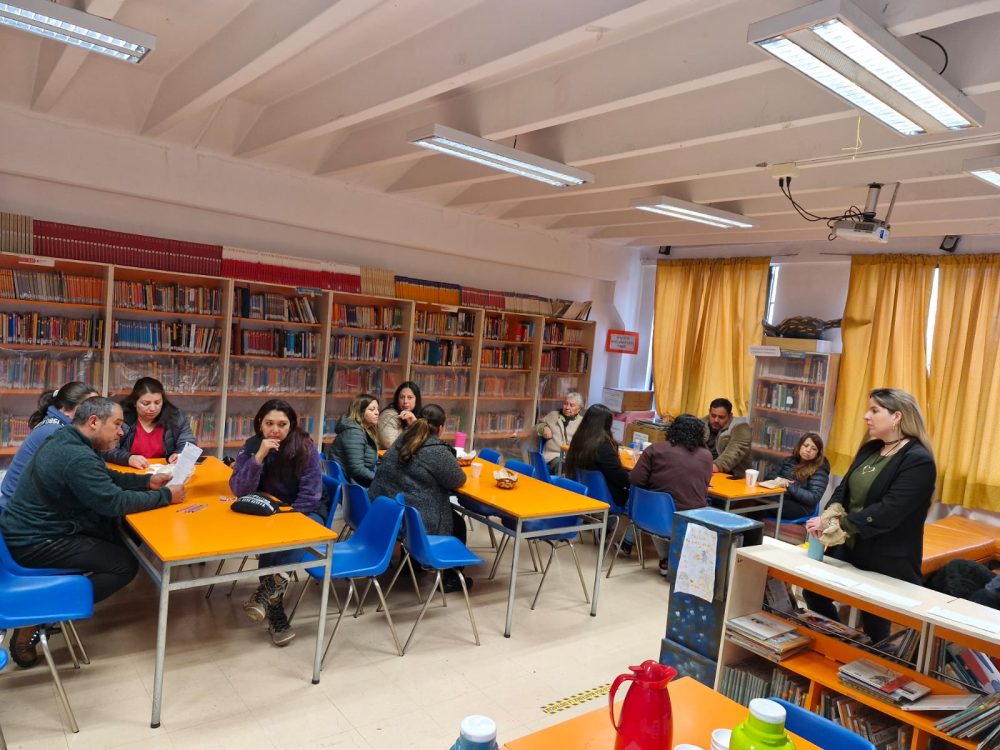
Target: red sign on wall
(622,342)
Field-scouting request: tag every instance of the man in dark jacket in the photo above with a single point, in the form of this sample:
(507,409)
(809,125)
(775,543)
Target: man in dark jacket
(67,502)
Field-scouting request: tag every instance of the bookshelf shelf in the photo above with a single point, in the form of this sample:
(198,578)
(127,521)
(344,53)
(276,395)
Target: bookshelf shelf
(45,347)
(164,353)
(157,314)
(435,336)
(9,450)
(265,323)
(504,369)
(373,331)
(272,392)
(34,304)
(788,381)
(383,363)
(790,413)
(266,358)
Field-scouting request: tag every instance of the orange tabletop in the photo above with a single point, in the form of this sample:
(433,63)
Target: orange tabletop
(174,535)
(530,498)
(625,455)
(736,489)
(697,710)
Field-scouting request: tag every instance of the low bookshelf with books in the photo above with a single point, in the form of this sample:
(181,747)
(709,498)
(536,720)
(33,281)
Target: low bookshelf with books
(565,364)
(897,692)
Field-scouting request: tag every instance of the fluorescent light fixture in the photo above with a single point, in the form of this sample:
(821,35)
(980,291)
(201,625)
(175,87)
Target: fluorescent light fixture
(841,48)
(987,169)
(676,209)
(481,151)
(72,26)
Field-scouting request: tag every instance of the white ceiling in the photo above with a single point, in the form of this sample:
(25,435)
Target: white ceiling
(653,97)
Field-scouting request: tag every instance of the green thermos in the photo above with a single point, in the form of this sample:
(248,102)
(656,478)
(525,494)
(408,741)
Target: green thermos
(763,729)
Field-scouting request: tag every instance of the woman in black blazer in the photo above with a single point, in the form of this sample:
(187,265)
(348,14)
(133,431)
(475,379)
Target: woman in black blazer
(886,493)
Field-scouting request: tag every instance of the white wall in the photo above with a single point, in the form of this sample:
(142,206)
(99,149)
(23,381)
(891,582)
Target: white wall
(817,289)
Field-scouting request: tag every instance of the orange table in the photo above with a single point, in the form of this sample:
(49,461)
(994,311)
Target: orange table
(174,537)
(535,500)
(625,455)
(729,490)
(697,710)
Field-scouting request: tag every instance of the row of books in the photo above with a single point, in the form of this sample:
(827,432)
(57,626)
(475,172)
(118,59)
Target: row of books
(461,323)
(51,286)
(165,336)
(424,290)
(379,281)
(560,333)
(50,330)
(273,306)
(882,731)
(202,425)
(443,384)
(968,667)
(253,378)
(13,429)
(980,721)
(506,357)
(552,386)
(881,682)
(179,375)
(16,233)
(508,421)
(800,366)
(447,352)
(387,318)
(386,349)
(287,275)
(772,435)
(798,399)
(347,380)
(168,297)
(240,426)
(19,372)
(276,342)
(504,329)
(565,360)
(768,636)
(750,679)
(503,385)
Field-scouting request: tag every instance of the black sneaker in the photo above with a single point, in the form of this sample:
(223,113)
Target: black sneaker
(452,584)
(277,625)
(626,548)
(23,651)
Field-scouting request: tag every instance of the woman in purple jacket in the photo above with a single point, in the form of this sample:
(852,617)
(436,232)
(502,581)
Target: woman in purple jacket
(281,460)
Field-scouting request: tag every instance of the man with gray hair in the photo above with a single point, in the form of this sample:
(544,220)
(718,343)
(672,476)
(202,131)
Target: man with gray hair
(558,427)
(64,511)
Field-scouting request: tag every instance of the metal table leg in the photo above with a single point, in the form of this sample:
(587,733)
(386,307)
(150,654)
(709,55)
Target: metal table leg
(600,565)
(321,624)
(161,645)
(513,578)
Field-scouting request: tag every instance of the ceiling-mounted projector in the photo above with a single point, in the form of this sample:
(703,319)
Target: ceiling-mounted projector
(866,228)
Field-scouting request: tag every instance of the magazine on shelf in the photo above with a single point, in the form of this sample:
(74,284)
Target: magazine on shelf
(881,682)
(760,625)
(952,703)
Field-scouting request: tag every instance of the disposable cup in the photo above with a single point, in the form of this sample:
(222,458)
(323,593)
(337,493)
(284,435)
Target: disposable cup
(686,746)
(815,549)
(720,739)
(477,468)
(751,476)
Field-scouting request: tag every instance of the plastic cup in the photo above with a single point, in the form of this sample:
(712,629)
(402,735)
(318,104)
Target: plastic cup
(686,746)
(477,469)
(815,549)
(751,477)
(720,739)
(459,439)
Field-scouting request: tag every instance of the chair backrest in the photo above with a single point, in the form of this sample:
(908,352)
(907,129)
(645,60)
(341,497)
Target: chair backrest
(653,512)
(335,489)
(519,467)
(335,470)
(569,484)
(597,486)
(488,454)
(356,504)
(541,468)
(415,537)
(821,731)
(380,528)
(7,563)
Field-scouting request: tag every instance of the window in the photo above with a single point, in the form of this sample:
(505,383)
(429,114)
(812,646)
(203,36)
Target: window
(772,292)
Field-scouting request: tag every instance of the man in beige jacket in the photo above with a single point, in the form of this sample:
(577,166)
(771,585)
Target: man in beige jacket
(558,427)
(728,438)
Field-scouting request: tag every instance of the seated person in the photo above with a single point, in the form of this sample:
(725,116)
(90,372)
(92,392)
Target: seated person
(154,427)
(593,448)
(680,465)
(424,468)
(281,460)
(355,448)
(557,429)
(64,510)
(55,411)
(804,475)
(728,438)
(400,414)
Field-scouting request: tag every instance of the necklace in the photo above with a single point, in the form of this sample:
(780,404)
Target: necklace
(873,466)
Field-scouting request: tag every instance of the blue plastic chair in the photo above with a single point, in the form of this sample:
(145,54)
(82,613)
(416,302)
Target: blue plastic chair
(335,489)
(438,552)
(821,731)
(335,470)
(519,467)
(650,512)
(597,487)
(356,505)
(8,563)
(31,600)
(488,454)
(541,468)
(565,539)
(365,555)
(3,664)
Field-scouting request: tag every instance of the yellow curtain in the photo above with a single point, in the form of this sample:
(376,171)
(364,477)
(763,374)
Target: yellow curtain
(965,381)
(884,325)
(707,314)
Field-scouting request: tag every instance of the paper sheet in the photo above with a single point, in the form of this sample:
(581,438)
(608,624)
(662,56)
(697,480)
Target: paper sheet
(975,622)
(184,467)
(822,574)
(886,596)
(696,568)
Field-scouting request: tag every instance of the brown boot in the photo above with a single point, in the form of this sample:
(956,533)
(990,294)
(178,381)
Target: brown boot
(22,647)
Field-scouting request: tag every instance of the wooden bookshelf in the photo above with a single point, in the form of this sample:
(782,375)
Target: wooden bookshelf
(902,603)
(565,361)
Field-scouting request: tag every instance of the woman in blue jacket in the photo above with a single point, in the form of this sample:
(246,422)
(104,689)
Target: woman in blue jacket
(356,446)
(55,411)
(804,475)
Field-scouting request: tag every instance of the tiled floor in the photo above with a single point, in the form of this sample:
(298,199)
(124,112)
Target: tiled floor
(226,686)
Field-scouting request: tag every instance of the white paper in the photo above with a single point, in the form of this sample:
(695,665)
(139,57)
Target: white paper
(822,574)
(876,593)
(696,569)
(975,622)
(184,467)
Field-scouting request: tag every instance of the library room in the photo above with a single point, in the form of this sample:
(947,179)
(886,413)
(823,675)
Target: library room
(495,375)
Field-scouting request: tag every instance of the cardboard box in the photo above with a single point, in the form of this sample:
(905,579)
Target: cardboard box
(656,433)
(624,419)
(622,400)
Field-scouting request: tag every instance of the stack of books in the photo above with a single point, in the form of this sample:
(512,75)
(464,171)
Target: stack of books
(822,624)
(981,720)
(901,645)
(881,682)
(883,732)
(766,635)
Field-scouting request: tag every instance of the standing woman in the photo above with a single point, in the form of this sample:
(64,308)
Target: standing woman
(55,411)
(281,460)
(424,468)
(154,427)
(804,475)
(886,494)
(594,448)
(400,414)
(355,448)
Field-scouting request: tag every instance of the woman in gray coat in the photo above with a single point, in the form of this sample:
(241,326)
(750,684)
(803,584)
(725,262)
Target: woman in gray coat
(355,448)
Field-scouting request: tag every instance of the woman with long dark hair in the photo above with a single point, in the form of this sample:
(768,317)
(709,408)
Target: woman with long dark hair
(804,475)
(424,468)
(355,448)
(280,460)
(153,427)
(55,411)
(400,414)
(593,448)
